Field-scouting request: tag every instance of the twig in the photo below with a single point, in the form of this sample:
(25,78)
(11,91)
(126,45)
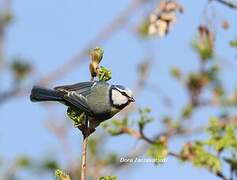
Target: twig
(222,176)
(6,10)
(4,96)
(131,132)
(227,3)
(84,150)
(60,131)
(218,173)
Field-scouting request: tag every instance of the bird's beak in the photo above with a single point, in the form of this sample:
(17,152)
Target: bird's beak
(131,99)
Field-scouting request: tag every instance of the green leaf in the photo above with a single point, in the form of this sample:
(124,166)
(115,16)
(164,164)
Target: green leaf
(111,159)
(23,161)
(175,72)
(159,150)
(232,162)
(6,19)
(115,125)
(145,117)
(222,137)
(204,50)
(61,175)
(104,74)
(20,68)
(199,157)
(233,43)
(78,117)
(50,164)
(108,178)
(92,146)
(143,28)
(187,111)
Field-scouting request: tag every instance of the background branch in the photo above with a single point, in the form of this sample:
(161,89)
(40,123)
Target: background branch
(227,3)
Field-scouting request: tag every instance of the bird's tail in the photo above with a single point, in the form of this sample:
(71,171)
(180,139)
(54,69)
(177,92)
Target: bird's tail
(43,94)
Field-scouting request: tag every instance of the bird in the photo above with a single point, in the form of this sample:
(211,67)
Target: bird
(99,100)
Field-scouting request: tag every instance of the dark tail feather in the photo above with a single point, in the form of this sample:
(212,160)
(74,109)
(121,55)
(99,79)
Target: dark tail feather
(43,94)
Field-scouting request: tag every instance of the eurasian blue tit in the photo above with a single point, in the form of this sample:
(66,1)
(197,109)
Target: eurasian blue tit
(98,99)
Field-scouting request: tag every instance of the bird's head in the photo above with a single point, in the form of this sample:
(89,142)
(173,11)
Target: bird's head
(120,96)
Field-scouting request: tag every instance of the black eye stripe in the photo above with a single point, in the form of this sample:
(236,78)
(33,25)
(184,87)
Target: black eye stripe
(123,93)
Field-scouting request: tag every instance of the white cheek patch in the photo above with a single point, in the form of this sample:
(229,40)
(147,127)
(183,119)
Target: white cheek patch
(118,98)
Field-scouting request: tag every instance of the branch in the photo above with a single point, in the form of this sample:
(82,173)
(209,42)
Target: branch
(6,10)
(218,173)
(84,151)
(227,3)
(222,176)
(4,96)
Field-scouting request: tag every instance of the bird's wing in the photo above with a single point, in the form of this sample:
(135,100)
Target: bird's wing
(83,86)
(76,94)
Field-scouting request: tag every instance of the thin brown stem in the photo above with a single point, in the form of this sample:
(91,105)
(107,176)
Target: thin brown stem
(84,151)
(227,3)
(6,10)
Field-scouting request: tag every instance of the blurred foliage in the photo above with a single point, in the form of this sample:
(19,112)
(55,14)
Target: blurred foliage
(61,175)
(204,44)
(197,154)
(115,126)
(232,161)
(144,118)
(143,28)
(111,159)
(144,68)
(50,164)
(108,178)
(20,68)
(159,149)
(176,72)
(222,138)
(187,111)
(23,161)
(233,43)
(6,19)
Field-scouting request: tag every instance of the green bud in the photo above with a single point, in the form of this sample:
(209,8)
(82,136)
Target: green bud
(143,28)
(97,55)
(78,117)
(23,161)
(233,43)
(21,68)
(108,178)
(175,72)
(104,74)
(187,111)
(61,175)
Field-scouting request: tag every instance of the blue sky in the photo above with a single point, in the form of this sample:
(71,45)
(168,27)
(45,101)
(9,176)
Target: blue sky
(50,32)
